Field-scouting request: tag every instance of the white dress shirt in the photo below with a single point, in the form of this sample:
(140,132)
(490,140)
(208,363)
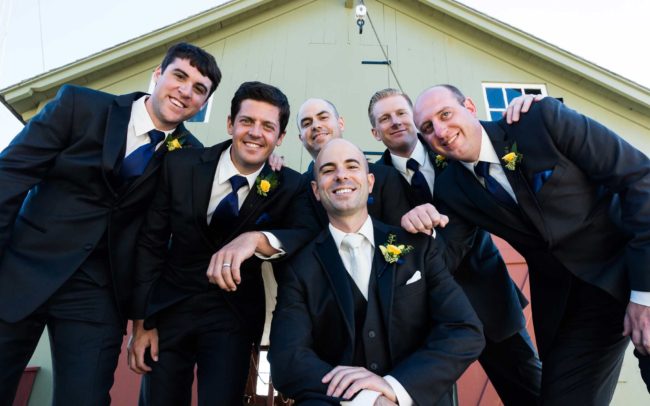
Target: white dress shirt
(140,123)
(420,155)
(367,397)
(221,187)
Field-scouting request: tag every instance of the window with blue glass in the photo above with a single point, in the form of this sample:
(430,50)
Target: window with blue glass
(499,95)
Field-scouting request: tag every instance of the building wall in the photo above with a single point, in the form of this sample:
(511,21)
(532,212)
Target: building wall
(312,48)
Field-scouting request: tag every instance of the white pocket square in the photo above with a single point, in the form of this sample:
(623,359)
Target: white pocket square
(416,277)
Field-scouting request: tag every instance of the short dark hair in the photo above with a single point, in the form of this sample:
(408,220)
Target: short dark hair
(199,58)
(382,94)
(265,93)
(460,97)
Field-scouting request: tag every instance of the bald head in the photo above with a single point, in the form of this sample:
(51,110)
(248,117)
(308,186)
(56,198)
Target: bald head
(318,122)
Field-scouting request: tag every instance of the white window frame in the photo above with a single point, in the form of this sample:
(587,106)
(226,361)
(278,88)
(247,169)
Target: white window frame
(503,86)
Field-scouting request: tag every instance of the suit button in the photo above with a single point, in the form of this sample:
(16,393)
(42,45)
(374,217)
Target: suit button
(374,366)
(88,247)
(372,334)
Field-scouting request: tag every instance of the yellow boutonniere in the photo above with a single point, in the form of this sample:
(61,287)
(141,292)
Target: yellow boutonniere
(173,144)
(266,184)
(392,251)
(512,157)
(441,161)
(175,140)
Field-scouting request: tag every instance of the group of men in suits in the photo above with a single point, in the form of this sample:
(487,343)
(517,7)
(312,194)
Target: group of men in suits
(106,214)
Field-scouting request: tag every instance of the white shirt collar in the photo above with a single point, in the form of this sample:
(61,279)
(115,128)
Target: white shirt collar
(141,120)
(366,230)
(227,169)
(487,153)
(419,154)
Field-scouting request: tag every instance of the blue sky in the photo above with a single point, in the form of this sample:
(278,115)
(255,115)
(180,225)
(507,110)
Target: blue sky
(610,34)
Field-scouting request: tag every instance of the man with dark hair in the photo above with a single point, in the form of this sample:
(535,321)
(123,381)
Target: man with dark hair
(204,228)
(367,314)
(509,358)
(580,218)
(74,186)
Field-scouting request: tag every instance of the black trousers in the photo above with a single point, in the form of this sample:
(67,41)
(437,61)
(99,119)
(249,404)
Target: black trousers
(584,359)
(201,331)
(644,366)
(85,334)
(514,369)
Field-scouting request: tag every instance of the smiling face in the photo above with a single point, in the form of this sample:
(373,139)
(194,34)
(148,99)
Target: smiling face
(255,132)
(180,92)
(343,183)
(318,123)
(393,125)
(449,126)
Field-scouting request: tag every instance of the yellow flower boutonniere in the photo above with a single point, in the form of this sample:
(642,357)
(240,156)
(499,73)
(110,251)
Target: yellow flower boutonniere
(441,161)
(512,157)
(175,140)
(266,184)
(392,251)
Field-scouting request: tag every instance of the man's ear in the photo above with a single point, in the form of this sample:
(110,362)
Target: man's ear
(278,142)
(341,124)
(375,134)
(229,126)
(314,189)
(470,106)
(371,182)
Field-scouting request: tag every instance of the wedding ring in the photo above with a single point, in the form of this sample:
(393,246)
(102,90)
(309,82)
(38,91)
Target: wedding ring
(225,265)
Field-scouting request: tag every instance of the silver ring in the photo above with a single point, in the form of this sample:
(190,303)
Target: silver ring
(225,265)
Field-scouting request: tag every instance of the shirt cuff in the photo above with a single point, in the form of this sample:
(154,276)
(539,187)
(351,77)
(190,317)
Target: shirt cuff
(275,243)
(642,298)
(365,397)
(403,397)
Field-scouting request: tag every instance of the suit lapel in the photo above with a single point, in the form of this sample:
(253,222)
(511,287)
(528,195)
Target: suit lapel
(119,114)
(254,202)
(202,178)
(328,255)
(525,197)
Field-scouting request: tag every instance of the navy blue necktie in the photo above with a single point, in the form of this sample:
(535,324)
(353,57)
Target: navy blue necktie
(493,187)
(418,181)
(228,208)
(135,163)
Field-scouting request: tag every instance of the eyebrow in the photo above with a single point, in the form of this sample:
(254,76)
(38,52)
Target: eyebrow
(199,84)
(347,161)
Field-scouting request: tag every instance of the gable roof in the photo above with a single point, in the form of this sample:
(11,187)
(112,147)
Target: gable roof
(26,95)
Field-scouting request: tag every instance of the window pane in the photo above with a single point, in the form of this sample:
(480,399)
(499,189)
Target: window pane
(532,91)
(496,115)
(512,93)
(200,116)
(495,98)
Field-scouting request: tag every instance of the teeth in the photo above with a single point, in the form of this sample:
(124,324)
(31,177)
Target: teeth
(342,191)
(452,139)
(248,144)
(176,103)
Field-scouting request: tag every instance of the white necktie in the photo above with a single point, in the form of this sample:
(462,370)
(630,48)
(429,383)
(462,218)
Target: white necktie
(359,268)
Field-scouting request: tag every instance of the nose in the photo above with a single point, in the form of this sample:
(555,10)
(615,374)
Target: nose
(341,173)
(394,120)
(255,130)
(185,90)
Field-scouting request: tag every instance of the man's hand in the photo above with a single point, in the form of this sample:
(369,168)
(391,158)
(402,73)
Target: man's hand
(422,219)
(384,401)
(519,105)
(224,268)
(276,162)
(346,381)
(637,325)
(139,341)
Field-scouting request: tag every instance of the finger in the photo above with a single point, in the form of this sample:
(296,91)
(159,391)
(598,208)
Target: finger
(528,101)
(235,268)
(226,274)
(350,378)
(140,365)
(336,380)
(407,224)
(212,269)
(328,376)
(154,349)
(538,97)
(444,220)
(627,326)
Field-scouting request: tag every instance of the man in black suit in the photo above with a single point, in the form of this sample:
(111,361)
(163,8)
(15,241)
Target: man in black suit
(318,123)
(380,318)
(206,218)
(574,199)
(74,186)
(509,358)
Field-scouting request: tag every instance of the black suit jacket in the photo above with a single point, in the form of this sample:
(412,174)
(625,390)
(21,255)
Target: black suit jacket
(584,207)
(433,333)
(482,273)
(67,157)
(388,200)
(170,270)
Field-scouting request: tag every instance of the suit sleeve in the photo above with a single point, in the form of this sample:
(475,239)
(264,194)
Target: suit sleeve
(25,162)
(609,160)
(455,338)
(296,369)
(153,242)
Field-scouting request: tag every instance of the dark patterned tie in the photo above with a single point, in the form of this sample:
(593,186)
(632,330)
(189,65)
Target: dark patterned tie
(418,181)
(135,163)
(228,208)
(493,187)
